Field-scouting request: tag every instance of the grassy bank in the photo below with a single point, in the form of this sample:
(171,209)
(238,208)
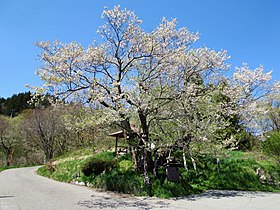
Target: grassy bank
(103,170)
(2,168)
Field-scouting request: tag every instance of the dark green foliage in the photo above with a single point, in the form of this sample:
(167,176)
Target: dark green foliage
(236,175)
(163,188)
(14,105)
(120,178)
(99,163)
(129,182)
(246,140)
(271,146)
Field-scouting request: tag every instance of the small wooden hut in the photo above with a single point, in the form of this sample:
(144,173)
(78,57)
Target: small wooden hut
(117,135)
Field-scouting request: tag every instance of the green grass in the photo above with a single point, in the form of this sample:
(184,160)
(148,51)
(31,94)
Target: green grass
(69,166)
(2,168)
(237,172)
(75,154)
(64,171)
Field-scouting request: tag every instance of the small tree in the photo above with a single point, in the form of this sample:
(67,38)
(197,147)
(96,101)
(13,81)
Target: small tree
(44,127)
(80,123)
(7,143)
(271,145)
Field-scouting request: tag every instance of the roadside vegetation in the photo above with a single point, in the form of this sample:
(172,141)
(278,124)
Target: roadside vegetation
(250,171)
(3,168)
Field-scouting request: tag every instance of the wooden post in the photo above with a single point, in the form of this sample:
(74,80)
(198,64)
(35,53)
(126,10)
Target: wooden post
(116,146)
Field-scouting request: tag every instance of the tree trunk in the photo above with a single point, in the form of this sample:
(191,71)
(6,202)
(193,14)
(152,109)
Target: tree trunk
(184,160)
(218,164)
(9,152)
(48,153)
(146,164)
(155,163)
(193,161)
(116,146)
(147,181)
(10,156)
(134,156)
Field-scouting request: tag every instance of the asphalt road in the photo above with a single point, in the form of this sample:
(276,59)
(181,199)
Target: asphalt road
(22,189)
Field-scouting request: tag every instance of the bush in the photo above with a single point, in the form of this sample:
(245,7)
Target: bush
(271,146)
(99,163)
(129,182)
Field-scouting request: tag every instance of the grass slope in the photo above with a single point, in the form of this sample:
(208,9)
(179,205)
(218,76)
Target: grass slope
(102,170)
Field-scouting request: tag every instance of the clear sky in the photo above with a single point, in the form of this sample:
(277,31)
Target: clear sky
(248,29)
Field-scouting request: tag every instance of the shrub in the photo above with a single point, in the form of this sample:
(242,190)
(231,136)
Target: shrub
(129,182)
(99,163)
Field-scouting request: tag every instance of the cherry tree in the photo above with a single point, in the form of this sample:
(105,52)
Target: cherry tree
(132,74)
(251,90)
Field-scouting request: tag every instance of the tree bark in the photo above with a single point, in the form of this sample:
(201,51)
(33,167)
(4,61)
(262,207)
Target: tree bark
(10,156)
(155,163)
(9,152)
(184,160)
(193,161)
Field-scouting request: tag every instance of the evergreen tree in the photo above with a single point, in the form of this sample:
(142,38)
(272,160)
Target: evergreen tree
(14,105)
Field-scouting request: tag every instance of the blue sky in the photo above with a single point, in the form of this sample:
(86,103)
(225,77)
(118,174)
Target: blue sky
(248,29)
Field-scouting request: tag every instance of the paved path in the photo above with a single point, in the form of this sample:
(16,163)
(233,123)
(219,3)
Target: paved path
(22,189)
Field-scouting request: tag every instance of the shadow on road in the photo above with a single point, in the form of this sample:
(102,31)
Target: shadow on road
(147,203)
(217,194)
(107,202)
(6,196)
